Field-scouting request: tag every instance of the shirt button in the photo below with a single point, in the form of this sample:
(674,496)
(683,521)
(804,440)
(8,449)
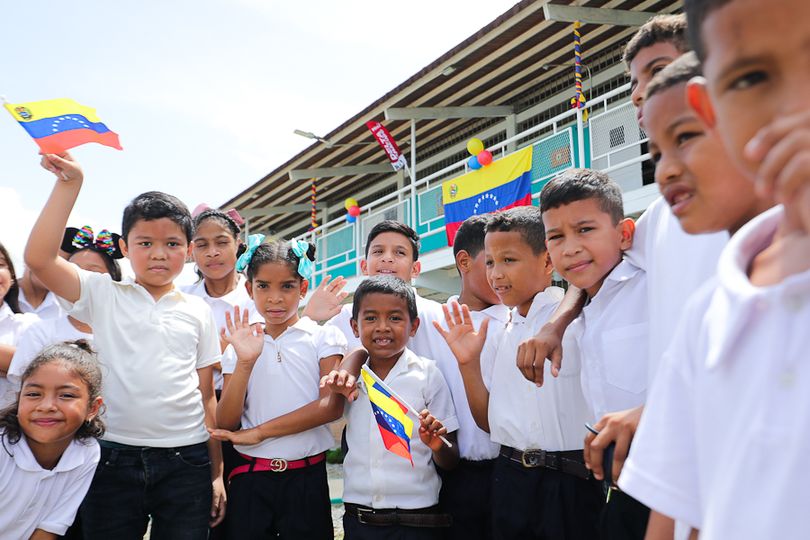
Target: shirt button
(377,498)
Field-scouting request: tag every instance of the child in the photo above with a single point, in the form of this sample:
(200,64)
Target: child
(49,452)
(279,485)
(386,496)
(35,297)
(733,392)
(157,347)
(586,235)
(541,487)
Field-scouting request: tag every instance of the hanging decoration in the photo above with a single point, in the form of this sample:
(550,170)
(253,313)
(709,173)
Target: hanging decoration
(313,211)
(578,101)
(479,157)
(352,210)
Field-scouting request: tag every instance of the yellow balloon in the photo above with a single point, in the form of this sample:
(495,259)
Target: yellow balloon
(475,146)
(350,202)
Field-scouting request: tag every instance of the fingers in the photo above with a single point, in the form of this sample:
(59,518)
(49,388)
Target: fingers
(229,323)
(586,449)
(220,434)
(442,332)
(456,313)
(620,454)
(237,318)
(218,504)
(596,450)
(482,330)
(556,360)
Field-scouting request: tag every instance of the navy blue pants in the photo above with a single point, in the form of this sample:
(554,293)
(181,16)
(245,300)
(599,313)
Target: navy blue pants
(132,483)
(466,495)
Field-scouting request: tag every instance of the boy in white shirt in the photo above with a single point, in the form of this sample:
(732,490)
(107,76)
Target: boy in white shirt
(157,347)
(586,236)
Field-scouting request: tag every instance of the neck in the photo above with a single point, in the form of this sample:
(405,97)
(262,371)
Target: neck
(80,326)
(48,455)
(382,366)
(34,294)
(275,330)
(757,209)
(217,288)
(472,301)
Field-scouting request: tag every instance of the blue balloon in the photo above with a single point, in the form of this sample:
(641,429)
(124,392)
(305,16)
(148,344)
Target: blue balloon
(473,163)
(350,218)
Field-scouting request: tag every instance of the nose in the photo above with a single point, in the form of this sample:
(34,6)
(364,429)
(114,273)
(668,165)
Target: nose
(571,246)
(667,170)
(637,95)
(47,403)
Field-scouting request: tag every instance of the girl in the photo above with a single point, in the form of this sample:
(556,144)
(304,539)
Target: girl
(93,253)
(49,452)
(279,486)
(12,322)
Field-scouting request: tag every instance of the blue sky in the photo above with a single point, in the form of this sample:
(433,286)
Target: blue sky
(206,94)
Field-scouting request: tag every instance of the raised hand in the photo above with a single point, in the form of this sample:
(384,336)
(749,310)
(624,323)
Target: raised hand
(431,431)
(341,382)
(460,335)
(63,166)
(325,301)
(247,339)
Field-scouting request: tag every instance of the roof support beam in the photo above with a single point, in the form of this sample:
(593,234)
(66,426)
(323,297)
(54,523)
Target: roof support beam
(271,210)
(306,174)
(616,17)
(434,113)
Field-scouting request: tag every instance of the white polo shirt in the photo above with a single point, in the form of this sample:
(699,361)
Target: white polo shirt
(149,354)
(12,327)
(473,442)
(285,378)
(612,336)
(526,417)
(723,442)
(677,264)
(35,498)
(378,478)
(48,309)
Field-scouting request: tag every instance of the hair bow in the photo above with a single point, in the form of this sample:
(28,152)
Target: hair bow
(78,239)
(253,243)
(232,213)
(305,266)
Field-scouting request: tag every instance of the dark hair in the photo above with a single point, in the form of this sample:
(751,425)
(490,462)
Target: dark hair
(212,214)
(384,285)
(678,72)
(80,358)
(696,12)
(581,184)
(156,205)
(113,268)
(277,251)
(12,296)
(470,235)
(389,225)
(526,220)
(659,29)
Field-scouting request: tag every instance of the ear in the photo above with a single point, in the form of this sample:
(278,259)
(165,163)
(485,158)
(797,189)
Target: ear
(94,408)
(364,267)
(697,95)
(548,269)
(304,287)
(355,328)
(627,228)
(122,245)
(416,269)
(249,288)
(414,326)
(463,261)
(189,250)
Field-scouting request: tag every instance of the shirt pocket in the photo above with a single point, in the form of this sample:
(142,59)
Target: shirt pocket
(625,350)
(180,333)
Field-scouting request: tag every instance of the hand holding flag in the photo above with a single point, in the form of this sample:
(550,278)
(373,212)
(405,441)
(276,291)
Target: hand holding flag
(432,431)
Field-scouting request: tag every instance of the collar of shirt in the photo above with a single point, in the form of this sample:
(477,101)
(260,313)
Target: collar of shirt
(234,297)
(24,458)
(550,295)
(403,363)
(48,301)
(304,324)
(5,311)
(498,312)
(175,293)
(624,271)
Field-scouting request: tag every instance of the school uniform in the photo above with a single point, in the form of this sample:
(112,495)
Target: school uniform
(465,492)
(382,491)
(150,352)
(541,488)
(12,327)
(612,338)
(35,498)
(48,309)
(723,442)
(279,486)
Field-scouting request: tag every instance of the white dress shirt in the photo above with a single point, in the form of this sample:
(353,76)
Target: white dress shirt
(48,309)
(12,327)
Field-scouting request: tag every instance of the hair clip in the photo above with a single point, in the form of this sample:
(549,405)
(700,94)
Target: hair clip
(253,243)
(232,213)
(305,266)
(78,239)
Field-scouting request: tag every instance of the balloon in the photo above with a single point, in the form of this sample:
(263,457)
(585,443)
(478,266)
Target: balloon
(484,157)
(354,211)
(473,163)
(350,202)
(474,146)
(350,218)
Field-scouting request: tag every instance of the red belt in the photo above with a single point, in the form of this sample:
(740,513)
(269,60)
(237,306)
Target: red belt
(274,464)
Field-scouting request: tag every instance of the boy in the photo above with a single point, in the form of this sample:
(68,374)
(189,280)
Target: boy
(541,488)
(157,347)
(723,423)
(386,496)
(587,235)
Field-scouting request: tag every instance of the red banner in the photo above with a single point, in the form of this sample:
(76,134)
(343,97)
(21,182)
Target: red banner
(388,144)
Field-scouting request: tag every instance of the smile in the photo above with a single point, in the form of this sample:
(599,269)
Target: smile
(577,267)
(678,198)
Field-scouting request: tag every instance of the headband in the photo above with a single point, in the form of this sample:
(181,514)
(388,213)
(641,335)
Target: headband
(77,239)
(305,266)
(253,243)
(232,213)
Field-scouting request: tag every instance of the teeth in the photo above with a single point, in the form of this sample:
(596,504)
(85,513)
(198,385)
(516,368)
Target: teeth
(680,197)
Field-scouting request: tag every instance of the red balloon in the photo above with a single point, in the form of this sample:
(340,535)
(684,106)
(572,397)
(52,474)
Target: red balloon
(354,211)
(484,157)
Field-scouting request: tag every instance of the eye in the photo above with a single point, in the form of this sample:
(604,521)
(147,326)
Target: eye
(553,237)
(747,80)
(32,394)
(369,318)
(396,318)
(586,229)
(288,286)
(508,259)
(489,262)
(682,138)
(172,244)
(657,68)
(67,395)
(261,286)
(145,244)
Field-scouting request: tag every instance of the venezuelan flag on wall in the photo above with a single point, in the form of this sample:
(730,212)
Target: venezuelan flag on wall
(503,184)
(57,125)
(392,418)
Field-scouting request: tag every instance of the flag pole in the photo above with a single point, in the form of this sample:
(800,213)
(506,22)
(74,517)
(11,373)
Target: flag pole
(396,396)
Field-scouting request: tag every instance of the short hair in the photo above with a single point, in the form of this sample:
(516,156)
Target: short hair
(385,285)
(696,12)
(581,184)
(526,220)
(277,251)
(13,293)
(156,205)
(470,235)
(389,225)
(681,71)
(659,29)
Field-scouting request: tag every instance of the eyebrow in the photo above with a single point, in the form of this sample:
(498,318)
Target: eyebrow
(577,223)
(683,119)
(60,387)
(741,63)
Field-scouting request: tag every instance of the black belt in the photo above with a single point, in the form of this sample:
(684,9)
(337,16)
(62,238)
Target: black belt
(570,462)
(382,517)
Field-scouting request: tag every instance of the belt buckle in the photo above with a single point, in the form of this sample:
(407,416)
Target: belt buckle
(278,465)
(533,458)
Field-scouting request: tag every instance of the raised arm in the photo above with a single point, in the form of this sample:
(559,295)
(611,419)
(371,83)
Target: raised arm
(42,251)
(247,341)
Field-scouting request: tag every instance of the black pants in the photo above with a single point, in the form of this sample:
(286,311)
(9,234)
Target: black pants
(230,459)
(623,518)
(543,504)
(354,530)
(465,495)
(293,504)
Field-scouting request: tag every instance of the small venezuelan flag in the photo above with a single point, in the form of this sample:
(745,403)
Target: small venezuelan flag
(504,184)
(392,418)
(60,124)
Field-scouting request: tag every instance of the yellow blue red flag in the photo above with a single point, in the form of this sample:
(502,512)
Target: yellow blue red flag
(391,416)
(57,125)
